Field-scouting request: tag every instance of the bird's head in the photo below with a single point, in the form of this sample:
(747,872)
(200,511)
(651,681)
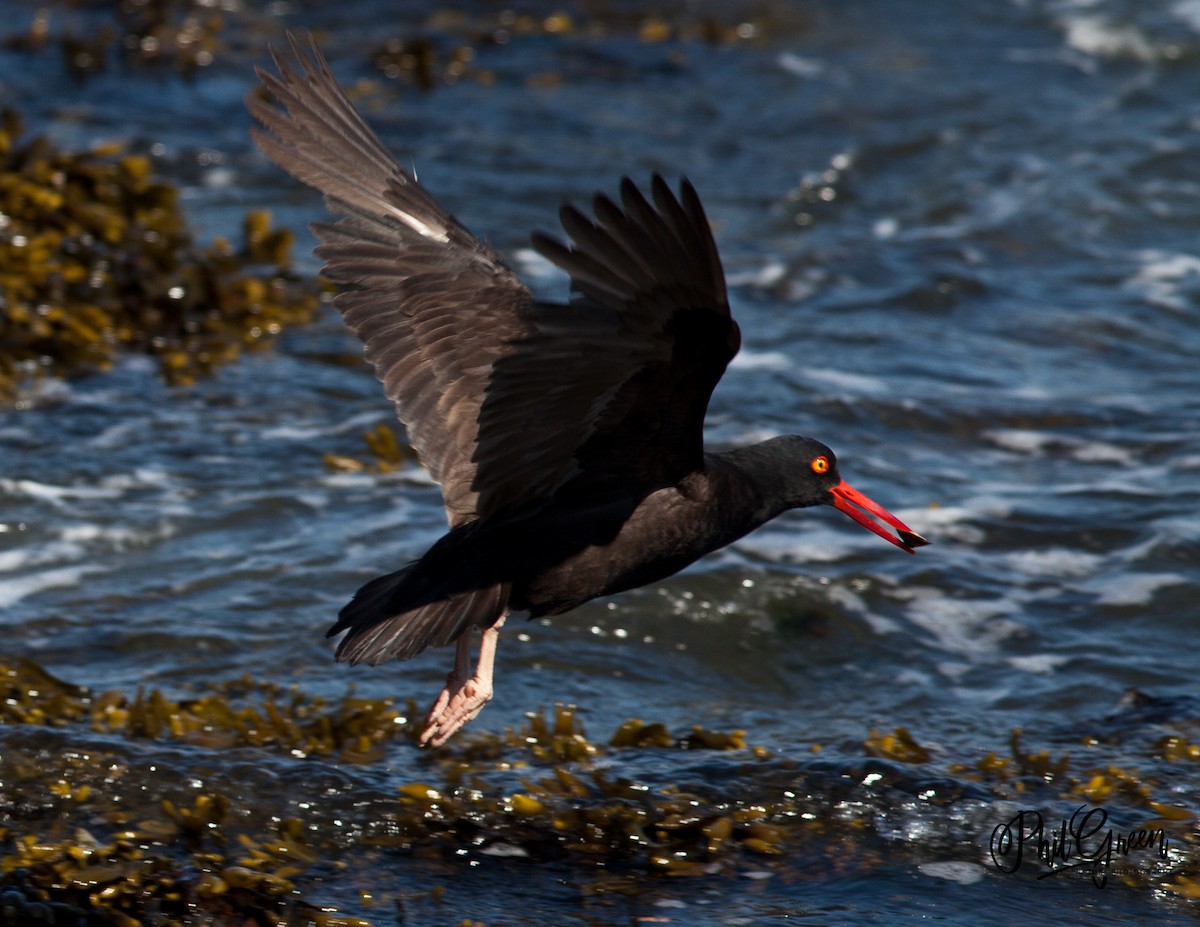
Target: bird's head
(808,474)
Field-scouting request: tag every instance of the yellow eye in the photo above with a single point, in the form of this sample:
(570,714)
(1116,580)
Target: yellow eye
(820,465)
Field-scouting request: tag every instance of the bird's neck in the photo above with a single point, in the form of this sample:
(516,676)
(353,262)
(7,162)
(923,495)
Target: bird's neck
(750,480)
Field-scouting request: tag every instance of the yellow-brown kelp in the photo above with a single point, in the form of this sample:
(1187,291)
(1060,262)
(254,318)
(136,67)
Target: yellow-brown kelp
(93,816)
(179,34)
(96,258)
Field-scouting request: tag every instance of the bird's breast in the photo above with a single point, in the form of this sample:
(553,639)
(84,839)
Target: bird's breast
(666,531)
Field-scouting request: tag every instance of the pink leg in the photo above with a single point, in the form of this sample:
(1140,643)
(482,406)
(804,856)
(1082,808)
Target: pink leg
(464,696)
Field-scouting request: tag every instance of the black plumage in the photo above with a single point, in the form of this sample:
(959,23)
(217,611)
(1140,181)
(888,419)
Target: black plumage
(567,439)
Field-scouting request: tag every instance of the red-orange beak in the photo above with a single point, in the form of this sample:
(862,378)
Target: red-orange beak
(846,497)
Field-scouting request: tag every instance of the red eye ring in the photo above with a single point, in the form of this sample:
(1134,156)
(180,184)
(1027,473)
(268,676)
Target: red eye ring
(820,464)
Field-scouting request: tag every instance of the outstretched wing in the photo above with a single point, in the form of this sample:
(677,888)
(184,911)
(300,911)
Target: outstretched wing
(656,267)
(434,306)
(507,401)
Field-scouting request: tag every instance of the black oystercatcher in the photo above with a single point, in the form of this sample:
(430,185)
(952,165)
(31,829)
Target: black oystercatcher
(567,439)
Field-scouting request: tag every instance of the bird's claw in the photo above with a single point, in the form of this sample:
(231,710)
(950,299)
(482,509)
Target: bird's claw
(457,704)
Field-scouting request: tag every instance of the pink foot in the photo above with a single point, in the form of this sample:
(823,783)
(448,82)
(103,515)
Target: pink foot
(463,696)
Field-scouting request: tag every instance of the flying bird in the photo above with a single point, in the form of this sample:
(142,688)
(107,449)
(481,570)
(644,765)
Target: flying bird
(568,440)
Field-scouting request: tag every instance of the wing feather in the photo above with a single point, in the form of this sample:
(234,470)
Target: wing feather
(509,401)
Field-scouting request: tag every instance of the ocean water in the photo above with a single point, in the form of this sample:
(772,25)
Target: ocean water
(963,242)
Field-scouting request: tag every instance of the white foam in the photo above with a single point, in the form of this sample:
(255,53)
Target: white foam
(954,671)
(56,495)
(298,432)
(87,533)
(1021,440)
(908,676)
(767,275)
(967,627)
(878,624)
(1166,265)
(532,264)
(799,65)
(1101,452)
(13,590)
(347,479)
(855,383)
(220,177)
(1187,12)
(1161,279)
(954,522)
(117,436)
(1040,663)
(761,360)
(782,546)
(1035,443)
(25,557)
(109,487)
(1054,561)
(953,870)
(885,228)
(1132,588)
(1101,38)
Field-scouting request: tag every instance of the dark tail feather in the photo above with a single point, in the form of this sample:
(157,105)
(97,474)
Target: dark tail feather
(382,628)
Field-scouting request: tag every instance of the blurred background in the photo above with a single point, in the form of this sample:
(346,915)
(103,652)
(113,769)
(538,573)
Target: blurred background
(962,244)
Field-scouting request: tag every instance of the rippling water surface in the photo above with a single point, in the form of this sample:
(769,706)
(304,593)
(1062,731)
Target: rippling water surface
(964,248)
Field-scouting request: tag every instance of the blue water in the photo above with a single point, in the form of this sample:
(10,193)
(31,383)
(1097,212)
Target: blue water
(964,248)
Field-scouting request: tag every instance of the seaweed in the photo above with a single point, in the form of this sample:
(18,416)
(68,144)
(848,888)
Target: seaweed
(456,42)
(442,46)
(387,452)
(96,258)
(85,834)
(183,35)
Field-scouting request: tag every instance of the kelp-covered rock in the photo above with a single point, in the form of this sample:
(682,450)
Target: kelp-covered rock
(119,806)
(181,34)
(472,40)
(438,44)
(96,258)
(239,713)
